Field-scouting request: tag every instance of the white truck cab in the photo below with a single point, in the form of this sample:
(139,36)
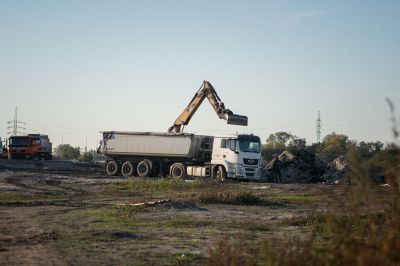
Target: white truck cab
(239,154)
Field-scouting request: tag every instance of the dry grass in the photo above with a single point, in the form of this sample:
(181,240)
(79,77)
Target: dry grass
(365,232)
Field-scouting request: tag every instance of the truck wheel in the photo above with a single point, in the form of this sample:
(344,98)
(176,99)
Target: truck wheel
(220,173)
(112,168)
(178,171)
(127,169)
(144,168)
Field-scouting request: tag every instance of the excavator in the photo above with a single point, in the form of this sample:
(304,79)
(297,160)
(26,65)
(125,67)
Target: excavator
(206,90)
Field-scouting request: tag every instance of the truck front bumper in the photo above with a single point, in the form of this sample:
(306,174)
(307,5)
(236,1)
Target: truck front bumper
(245,172)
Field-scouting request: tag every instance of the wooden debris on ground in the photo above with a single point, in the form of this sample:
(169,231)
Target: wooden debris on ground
(144,204)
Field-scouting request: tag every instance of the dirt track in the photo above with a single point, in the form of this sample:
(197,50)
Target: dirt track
(53,217)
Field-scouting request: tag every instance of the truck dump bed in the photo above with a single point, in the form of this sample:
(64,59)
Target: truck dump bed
(117,143)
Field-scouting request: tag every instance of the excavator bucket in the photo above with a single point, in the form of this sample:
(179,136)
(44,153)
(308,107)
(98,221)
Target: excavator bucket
(239,120)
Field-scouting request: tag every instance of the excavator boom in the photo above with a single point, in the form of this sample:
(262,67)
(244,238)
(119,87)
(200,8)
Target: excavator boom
(207,90)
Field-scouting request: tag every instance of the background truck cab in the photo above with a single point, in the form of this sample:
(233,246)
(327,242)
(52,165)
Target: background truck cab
(30,146)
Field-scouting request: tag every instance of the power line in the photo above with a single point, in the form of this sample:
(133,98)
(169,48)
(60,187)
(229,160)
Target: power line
(15,125)
(358,126)
(319,127)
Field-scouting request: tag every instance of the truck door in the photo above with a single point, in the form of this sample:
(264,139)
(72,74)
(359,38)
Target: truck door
(218,151)
(231,150)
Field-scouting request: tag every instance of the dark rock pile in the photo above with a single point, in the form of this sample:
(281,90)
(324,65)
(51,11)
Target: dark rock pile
(336,170)
(304,167)
(295,167)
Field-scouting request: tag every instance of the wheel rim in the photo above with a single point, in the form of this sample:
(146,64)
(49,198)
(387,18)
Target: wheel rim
(220,174)
(178,172)
(112,168)
(143,169)
(127,169)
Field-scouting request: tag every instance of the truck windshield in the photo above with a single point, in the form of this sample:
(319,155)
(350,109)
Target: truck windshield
(19,141)
(250,144)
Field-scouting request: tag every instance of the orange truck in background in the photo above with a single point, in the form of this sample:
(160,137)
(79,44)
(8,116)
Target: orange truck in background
(31,146)
(3,150)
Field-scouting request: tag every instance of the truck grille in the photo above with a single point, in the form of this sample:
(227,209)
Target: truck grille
(250,172)
(250,161)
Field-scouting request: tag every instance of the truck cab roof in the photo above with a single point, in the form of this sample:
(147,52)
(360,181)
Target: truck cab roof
(236,135)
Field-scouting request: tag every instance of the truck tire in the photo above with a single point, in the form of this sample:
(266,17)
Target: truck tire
(178,171)
(220,173)
(112,168)
(144,168)
(127,169)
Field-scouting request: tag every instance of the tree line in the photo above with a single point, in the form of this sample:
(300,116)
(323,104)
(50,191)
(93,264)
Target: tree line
(332,146)
(67,152)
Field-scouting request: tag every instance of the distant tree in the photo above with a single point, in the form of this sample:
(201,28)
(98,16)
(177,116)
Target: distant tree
(296,143)
(314,148)
(334,145)
(368,149)
(67,152)
(280,141)
(86,156)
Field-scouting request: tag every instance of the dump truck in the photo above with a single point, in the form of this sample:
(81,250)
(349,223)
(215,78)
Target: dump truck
(149,154)
(31,146)
(178,154)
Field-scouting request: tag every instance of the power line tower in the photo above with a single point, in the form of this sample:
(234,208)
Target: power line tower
(86,145)
(14,129)
(319,127)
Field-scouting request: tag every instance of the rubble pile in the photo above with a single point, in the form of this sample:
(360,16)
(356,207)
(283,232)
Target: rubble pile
(295,167)
(336,170)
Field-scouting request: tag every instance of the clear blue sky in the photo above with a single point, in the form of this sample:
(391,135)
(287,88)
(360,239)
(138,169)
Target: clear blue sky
(74,68)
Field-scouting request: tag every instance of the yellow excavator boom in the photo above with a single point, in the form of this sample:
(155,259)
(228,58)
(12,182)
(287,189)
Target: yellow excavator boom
(207,90)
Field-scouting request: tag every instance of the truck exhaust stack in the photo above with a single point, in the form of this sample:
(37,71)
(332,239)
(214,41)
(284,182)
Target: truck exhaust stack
(239,120)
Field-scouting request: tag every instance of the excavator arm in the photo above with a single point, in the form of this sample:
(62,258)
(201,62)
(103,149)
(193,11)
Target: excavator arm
(206,91)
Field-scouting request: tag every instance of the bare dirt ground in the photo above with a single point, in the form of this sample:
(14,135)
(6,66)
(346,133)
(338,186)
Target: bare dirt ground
(69,216)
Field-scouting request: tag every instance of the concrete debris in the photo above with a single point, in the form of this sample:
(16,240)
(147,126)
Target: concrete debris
(339,164)
(336,170)
(295,167)
(306,167)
